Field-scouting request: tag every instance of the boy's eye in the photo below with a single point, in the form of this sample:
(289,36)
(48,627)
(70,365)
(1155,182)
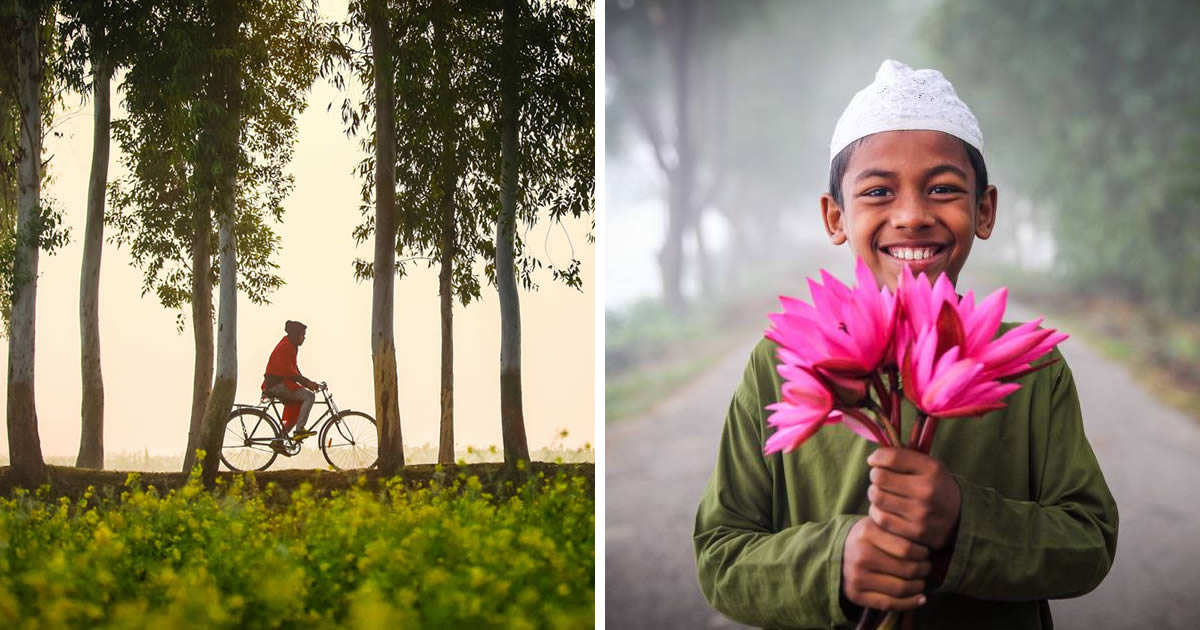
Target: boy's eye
(875,192)
(944,189)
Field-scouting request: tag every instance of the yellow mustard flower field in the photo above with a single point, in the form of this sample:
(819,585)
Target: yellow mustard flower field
(455,552)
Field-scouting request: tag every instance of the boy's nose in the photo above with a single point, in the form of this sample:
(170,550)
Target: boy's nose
(912,215)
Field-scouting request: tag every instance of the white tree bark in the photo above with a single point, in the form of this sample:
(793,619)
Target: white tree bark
(383,345)
(91,440)
(512,417)
(224,389)
(228,125)
(24,445)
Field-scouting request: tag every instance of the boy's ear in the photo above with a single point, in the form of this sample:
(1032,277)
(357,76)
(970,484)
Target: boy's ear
(985,213)
(833,217)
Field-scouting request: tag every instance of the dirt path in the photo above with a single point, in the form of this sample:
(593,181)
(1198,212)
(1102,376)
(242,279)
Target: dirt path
(657,466)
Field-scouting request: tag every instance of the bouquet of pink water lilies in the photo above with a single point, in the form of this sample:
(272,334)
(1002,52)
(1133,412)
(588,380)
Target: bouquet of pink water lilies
(937,350)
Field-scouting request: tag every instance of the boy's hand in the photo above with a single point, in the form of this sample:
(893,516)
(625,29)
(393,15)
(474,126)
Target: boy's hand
(882,570)
(913,496)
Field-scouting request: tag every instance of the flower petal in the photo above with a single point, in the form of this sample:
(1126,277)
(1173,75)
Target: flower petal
(789,438)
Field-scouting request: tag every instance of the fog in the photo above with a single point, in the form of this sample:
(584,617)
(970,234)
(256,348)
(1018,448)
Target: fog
(147,363)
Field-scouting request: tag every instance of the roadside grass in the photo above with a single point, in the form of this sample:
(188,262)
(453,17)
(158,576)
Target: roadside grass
(650,352)
(637,390)
(1161,351)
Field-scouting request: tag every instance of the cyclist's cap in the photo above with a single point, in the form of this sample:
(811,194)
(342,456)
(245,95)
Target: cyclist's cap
(292,326)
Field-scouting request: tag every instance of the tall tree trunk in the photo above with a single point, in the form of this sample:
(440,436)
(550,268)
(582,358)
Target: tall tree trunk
(202,328)
(205,206)
(91,439)
(446,291)
(680,210)
(512,416)
(383,345)
(224,388)
(446,175)
(24,446)
(228,121)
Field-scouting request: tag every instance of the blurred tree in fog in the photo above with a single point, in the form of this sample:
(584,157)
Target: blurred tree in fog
(1093,106)
(736,101)
(675,91)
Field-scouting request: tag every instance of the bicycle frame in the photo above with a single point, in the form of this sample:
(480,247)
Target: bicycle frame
(269,410)
(270,405)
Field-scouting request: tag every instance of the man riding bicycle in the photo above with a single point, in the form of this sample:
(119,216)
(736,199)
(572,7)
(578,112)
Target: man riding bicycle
(284,381)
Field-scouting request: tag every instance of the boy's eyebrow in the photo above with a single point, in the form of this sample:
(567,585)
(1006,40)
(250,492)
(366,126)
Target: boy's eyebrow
(932,172)
(874,172)
(945,168)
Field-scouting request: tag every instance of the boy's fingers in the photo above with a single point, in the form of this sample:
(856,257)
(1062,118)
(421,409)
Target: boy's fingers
(890,585)
(879,601)
(890,543)
(898,459)
(891,502)
(893,524)
(903,484)
(903,569)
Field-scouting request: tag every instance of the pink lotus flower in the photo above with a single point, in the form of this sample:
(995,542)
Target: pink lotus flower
(1013,354)
(947,384)
(807,405)
(923,300)
(971,328)
(845,333)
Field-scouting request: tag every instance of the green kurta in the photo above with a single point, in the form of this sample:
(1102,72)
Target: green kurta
(1037,519)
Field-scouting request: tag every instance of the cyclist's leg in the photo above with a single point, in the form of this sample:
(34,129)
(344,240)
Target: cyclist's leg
(306,406)
(288,397)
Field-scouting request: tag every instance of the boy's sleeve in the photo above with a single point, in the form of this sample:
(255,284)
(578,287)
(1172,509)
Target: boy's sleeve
(788,578)
(1060,545)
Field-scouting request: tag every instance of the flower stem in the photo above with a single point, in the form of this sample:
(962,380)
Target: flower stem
(872,425)
(894,379)
(914,436)
(881,393)
(926,443)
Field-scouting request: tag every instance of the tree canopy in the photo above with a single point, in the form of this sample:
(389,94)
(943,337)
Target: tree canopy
(164,145)
(1094,107)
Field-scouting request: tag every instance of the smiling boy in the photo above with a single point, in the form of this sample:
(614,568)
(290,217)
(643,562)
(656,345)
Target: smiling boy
(1006,513)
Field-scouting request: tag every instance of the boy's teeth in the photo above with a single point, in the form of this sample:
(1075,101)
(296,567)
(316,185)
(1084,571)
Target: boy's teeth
(911,253)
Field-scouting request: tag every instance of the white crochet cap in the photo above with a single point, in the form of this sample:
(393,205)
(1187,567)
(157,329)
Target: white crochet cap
(902,98)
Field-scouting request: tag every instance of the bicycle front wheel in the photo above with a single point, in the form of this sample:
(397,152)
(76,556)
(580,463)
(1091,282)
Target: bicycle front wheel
(350,440)
(247,441)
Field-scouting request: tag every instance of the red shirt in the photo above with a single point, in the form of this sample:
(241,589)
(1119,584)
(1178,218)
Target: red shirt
(282,365)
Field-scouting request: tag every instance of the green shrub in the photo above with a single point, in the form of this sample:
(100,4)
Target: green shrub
(447,556)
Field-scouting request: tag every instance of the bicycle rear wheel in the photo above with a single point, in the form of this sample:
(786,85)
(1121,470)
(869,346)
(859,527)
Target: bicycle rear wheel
(247,440)
(350,440)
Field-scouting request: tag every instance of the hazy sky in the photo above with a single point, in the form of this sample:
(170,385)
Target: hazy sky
(147,365)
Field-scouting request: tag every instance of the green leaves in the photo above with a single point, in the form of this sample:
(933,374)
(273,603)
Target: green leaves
(47,233)
(1093,111)
(453,84)
(173,140)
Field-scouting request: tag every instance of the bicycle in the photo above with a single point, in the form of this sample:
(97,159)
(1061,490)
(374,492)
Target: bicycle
(254,436)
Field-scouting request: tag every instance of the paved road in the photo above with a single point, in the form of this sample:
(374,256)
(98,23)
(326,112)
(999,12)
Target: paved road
(657,466)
